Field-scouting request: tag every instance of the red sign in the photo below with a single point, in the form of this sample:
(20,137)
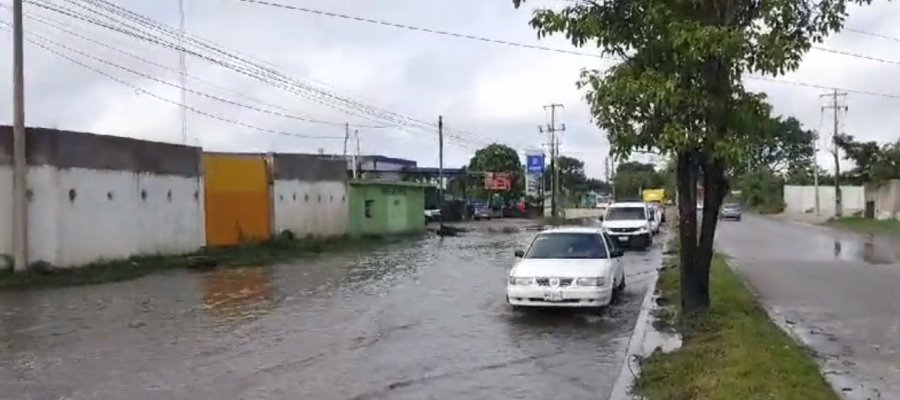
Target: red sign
(497,181)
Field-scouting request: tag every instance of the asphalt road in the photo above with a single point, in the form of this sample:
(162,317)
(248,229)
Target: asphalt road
(424,319)
(838,291)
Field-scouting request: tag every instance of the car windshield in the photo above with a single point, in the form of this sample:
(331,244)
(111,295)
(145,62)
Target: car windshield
(568,245)
(732,206)
(625,213)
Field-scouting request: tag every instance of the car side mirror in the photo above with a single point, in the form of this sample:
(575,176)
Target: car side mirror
(520,253)
(616,253)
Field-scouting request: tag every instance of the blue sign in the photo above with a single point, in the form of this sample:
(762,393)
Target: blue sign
(534,163)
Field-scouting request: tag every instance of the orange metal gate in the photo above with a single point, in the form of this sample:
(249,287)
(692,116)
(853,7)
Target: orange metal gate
(237,198)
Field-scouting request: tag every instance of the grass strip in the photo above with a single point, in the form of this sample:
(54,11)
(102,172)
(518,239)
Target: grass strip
(734,352)
(42,275)
(865,225)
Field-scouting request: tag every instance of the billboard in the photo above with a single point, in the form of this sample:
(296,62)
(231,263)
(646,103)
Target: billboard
(534,163)
(534,171)
(497,181)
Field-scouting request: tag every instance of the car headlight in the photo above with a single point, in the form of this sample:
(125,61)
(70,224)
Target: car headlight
(520,281)
(590,281)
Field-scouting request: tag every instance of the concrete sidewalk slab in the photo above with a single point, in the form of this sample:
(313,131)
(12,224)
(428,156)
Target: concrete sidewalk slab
(825,288)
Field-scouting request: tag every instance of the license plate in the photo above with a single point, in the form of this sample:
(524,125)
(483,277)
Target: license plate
(623,238)
(553,296)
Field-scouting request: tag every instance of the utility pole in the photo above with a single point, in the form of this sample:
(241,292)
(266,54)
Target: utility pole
(836,108)
(346,139)
(20,166)
(554,155)
(815,151)
(441,172)
(356,155)
(182,72)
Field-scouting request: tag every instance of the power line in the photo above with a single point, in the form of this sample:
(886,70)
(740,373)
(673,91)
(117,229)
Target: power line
(426,30)
(524,45)
(243,66)
(485,39)
(178,86)
(139,90)
(870,34)
(284,82)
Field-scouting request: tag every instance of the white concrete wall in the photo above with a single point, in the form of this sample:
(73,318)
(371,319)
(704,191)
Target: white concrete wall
(91,227)
(886,198)
(297,208)
(6,214)
(800,199)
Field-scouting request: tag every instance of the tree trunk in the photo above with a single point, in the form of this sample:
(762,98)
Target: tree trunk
(715,187)
(692,294)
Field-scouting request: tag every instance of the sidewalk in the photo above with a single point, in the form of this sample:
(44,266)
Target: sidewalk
(836,291)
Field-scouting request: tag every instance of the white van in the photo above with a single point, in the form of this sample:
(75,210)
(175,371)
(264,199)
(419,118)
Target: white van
(629,224)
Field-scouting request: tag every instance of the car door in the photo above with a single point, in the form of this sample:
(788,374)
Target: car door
(617,263)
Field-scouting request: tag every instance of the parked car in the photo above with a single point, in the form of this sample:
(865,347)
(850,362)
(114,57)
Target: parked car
(567,267)
(731,211)
(482,213)
(432,215)
(629,224)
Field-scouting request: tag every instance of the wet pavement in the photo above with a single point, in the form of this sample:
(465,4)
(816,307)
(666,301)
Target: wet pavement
(424,319)
(838,291)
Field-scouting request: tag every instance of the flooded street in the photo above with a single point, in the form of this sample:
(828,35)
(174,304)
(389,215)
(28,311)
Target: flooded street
(421,319)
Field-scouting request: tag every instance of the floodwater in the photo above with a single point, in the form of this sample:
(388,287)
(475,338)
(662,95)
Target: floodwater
(421,319)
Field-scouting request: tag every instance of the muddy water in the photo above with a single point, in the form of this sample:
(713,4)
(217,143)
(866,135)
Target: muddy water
(415,320)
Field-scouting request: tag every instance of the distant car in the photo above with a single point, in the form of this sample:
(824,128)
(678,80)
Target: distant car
(629,224)
(731,211)
(432,215)
(654,218)
(482,213)
(567,267)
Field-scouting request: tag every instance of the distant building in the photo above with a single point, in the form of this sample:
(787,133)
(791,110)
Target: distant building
(379,168)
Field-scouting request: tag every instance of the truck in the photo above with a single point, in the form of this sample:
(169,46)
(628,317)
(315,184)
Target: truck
(654,196)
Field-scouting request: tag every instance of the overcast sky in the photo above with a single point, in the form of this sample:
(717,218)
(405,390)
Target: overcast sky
(484,91)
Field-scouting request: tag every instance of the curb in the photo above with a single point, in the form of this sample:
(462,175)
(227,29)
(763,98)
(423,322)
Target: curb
(631,366)
(841,383)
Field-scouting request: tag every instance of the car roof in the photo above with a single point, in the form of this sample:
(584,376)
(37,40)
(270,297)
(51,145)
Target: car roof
(571,229)
(628,204)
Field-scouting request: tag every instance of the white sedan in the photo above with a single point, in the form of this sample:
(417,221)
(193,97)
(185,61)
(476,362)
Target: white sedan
(567,267)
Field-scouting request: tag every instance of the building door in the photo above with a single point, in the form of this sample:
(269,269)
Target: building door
(396,216)
(237,199)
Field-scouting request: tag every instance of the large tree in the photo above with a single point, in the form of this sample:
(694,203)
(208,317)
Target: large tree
(678,89)
(631,177)
(572,178)
(875,163)
(495,158)
(780,145)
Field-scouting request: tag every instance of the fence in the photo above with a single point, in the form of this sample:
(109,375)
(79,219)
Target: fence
(96,197)
(802,199)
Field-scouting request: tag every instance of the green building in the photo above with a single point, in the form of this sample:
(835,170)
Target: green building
(385,208)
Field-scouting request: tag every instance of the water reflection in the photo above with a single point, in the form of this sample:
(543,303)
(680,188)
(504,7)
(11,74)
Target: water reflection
(237,294)
(867,250)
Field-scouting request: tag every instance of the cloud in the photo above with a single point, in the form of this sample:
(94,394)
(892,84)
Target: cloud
(485,91)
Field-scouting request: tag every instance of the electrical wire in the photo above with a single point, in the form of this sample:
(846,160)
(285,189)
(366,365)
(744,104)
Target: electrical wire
(485,39)
(253,71)
(397,118)
(6,26)
(426,30)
